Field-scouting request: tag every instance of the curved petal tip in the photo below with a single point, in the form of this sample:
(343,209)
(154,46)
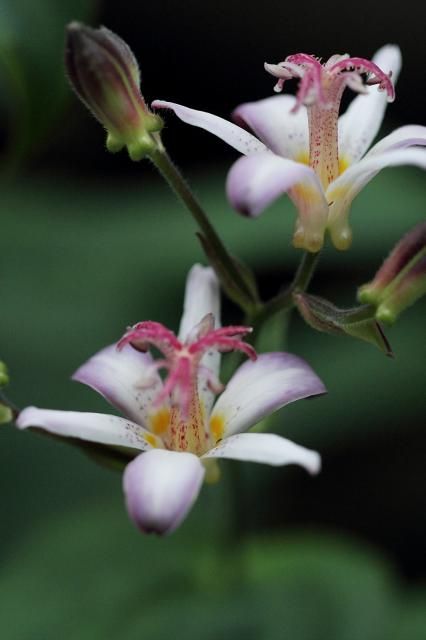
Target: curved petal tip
(160,488)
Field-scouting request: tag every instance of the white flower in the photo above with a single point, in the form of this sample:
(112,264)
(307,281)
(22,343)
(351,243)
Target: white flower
(303,148)
(176,425)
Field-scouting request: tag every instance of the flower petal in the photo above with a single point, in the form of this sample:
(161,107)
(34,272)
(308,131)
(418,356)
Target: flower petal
(408,136)
(160,488)
(342,191)
(202,296)
(285,133)
(266,448)
(94,427)
(256,181)
(259,388)
(126,378)
(361,122)
(241,140)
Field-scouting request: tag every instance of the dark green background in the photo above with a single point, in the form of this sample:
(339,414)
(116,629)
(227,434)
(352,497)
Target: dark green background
(90,244)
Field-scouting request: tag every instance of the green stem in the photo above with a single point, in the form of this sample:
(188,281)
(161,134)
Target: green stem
(179,185)
(284,300)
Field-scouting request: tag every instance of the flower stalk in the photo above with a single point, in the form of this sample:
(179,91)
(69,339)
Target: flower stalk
(226,267)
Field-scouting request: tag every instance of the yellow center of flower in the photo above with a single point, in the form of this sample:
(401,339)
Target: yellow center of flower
(217,427)
(188,433)
(160,421)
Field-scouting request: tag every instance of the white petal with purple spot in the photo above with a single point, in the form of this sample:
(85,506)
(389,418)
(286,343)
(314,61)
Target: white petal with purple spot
(126,378)
(359,125)
(160,488)
(259,388)
(285,133)
(236,137)
(94,427)
(266,448)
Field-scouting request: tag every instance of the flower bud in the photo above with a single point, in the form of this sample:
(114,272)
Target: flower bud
(358,322)
(409,288)
(401,259)
(401,280)
(104,73)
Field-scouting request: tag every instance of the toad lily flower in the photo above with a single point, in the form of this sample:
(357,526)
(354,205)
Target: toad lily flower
(176,425)
(303,148)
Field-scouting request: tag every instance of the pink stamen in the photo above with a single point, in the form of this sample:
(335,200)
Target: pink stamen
(360,65)
(146,333)
(313,74)
(183,360)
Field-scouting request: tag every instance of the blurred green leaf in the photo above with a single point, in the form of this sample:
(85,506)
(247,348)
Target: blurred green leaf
(32,78)
(90,575)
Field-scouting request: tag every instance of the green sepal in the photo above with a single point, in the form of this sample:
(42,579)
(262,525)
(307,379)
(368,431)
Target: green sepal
(239,286)
(115,458)
(357,322)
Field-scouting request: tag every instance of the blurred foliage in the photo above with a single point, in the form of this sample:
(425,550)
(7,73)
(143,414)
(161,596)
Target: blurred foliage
(32,81)
(94,577)
(79,262)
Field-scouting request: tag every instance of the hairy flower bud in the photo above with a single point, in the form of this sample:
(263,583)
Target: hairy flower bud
(105,75)
(401,280)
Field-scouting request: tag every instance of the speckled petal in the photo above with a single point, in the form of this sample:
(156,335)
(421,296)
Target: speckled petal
(285,133)
(93,427)
(236,137)
(361,122)
(126,378)
(266,448)
(160,488)
(259,388)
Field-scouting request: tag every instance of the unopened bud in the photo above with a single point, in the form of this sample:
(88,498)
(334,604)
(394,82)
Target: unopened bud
(105,75)
(358,322)
(406,291)
(401,280)
(405,253)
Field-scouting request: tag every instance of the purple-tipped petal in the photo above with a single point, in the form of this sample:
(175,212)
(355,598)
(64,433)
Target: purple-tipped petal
(256,181)
(94,427)
(266,448)
(160,488)
(361,122)
(259,388)
(285,133)
(202,297)
(236,137)
(408,136)
(126,378)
